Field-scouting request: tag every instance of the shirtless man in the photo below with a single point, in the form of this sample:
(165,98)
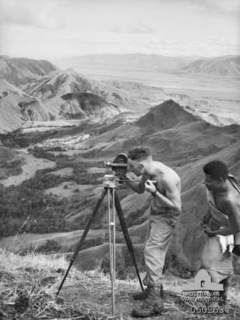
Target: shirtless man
(223,219)
(164,186)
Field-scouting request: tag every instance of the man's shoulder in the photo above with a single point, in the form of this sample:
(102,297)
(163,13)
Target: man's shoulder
(229,201)
(165,169)
(171,177)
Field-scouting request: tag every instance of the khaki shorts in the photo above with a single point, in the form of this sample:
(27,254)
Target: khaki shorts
(160,235)
(218,263)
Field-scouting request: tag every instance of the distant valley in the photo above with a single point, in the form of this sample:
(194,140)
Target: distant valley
(218,66)
(36,91)
(210,85)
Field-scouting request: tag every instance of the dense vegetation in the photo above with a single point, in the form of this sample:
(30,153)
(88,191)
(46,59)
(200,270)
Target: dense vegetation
(27,208)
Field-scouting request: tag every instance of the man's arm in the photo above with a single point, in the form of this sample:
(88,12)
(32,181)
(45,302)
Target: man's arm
(207,217)
(222,231)
(137,186)
(234,221)
(173,193)
(233,213)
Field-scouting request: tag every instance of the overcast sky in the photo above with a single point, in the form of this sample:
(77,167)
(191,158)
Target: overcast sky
(61,28)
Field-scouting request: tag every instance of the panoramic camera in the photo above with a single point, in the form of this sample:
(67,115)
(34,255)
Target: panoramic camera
(119,165)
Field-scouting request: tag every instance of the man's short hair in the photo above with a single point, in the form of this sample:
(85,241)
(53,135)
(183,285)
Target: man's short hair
(139,153)
(216,169)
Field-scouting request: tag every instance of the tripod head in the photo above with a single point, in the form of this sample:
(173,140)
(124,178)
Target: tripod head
(110,181)
(119,166)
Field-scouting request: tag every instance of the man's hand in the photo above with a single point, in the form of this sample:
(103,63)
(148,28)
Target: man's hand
(209,231)
(150,186)
(223,231)
(137,184)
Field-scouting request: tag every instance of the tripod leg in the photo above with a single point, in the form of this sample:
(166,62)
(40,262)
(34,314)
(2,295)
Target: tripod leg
(112,240)
(114,232)
(127,237)
(80,243)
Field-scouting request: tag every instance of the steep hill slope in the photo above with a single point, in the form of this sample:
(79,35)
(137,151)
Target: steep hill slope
(57,84)
(68,95)
(20,70)
(166,116)
(59,95)
(17,107)
(171,131)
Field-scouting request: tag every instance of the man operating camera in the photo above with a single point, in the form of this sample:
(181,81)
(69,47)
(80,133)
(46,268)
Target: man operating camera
(164,186)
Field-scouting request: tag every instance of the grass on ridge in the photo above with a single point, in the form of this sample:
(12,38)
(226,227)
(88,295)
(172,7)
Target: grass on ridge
(29,284)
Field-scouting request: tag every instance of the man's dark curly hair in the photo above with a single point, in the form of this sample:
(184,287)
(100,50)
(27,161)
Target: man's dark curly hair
(216,169)
(139,153)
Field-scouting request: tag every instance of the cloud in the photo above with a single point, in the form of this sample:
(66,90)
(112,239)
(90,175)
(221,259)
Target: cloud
(34,13)
(223,7)
(71,27)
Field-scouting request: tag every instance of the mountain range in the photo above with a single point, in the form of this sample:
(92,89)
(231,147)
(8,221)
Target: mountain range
(106,63)
(126,62)
(220,66)
(32,90)
(36,90)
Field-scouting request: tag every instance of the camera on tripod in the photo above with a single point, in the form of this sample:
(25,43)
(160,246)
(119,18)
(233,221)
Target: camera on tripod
(119,166)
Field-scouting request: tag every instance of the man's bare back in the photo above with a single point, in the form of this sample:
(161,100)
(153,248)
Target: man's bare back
(225,196)
(167,183)
(228,202)
(222,221)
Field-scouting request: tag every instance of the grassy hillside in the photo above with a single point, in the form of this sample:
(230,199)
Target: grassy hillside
(29,285)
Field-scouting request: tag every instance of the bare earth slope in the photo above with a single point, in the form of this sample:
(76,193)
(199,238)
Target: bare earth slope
(17,107)
(58,96)
(21,70)
(68,95)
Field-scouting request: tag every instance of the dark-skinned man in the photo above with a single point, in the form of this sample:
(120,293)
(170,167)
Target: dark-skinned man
(222,224)
(164,186)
